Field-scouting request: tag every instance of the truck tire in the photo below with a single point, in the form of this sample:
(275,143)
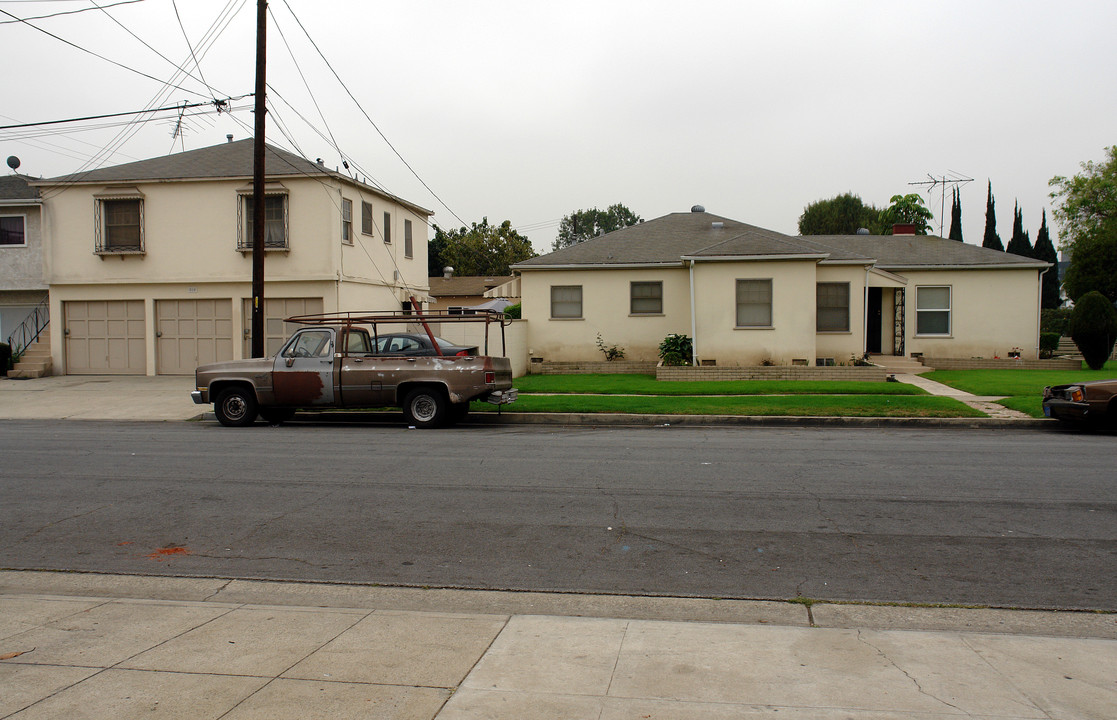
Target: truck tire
(236,407)
(426,407)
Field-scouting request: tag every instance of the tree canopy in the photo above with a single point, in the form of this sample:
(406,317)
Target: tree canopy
(1093,264)
(1086,200)
(481,249)
(1044,250)
(582,225)
(956,216)
(842,214)
(906,209)
(991,240)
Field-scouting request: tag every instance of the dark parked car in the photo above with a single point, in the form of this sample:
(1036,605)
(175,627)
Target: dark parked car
(1093,402)
(419,345)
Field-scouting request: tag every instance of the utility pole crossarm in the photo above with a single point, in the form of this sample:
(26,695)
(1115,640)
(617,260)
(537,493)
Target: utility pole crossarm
(955,179)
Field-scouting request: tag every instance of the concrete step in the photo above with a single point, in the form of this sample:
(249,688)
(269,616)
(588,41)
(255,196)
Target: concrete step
(35,361)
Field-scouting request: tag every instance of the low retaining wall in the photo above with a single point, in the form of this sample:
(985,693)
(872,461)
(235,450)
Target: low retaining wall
(1002,364)
(614,367)
(774,372)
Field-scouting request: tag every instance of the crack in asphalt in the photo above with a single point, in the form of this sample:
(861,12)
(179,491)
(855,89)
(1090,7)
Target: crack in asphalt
(35,532)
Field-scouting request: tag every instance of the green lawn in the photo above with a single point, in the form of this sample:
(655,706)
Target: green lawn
(1023,388)
(801,405)
(648,385)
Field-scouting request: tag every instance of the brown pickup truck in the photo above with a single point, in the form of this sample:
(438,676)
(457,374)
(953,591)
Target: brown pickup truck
(341,363)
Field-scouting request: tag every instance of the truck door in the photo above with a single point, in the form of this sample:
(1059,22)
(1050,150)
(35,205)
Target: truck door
(361,382)
(303,374)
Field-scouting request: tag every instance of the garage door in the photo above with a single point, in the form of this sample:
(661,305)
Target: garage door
(105,337)
(275,330)
(190,333)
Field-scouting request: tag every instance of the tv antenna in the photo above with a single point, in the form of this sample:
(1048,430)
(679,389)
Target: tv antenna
(954,179)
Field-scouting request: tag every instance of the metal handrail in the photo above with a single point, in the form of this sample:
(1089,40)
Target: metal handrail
(28,331)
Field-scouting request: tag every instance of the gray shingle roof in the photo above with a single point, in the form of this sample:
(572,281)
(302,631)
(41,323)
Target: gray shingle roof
(231,160)
(669,239)
(465,284)
(16,187)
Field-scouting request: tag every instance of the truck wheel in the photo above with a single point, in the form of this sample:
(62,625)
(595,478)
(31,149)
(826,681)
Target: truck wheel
(235,407)
(426,408)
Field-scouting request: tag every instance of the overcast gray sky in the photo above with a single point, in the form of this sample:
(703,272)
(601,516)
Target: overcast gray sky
(528,111)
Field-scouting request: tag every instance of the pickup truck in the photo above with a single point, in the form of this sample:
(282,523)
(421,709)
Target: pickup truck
(336,365)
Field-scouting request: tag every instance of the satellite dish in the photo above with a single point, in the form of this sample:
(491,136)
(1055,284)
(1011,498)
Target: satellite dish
(13,162)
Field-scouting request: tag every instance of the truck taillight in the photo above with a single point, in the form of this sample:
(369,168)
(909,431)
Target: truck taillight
(490,377)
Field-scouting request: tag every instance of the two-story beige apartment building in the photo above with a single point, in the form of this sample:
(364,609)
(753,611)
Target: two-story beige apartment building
(750,296)
(150,263)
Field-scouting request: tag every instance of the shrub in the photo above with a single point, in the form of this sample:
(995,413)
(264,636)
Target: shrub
(612,352)
(1048,343)
(1054,320)
(1093,327)
(676,350)
(514,311)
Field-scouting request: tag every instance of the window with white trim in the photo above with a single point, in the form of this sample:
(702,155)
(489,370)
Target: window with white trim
(347,221)
(408,244)
(932,310)
(754,303)
(275,222)
(366,218)
(566,301)
(832,307)
(12,230)
(119,222)
(646,298)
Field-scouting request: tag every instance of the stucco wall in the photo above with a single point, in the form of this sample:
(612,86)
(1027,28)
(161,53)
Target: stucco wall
(842,345)
(992,311)
(21,266)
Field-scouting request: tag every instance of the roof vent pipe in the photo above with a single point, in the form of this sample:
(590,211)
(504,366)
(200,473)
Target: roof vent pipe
(448,272)
(717,225)
(863,231)
(229,137)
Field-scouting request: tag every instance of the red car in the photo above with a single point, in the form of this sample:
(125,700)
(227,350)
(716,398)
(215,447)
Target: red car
(1093,402)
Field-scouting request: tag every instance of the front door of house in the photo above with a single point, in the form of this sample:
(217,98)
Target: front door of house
(874,326)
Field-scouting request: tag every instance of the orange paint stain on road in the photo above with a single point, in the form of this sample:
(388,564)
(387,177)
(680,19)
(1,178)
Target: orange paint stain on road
(162,554)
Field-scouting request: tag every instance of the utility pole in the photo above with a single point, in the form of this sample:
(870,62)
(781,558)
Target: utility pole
(954,179)
(259,218)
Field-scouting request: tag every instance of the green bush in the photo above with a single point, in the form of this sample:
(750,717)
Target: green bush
(612,352)
(676,350)
(1048,343)
(514,311)
(1093,326)
(1054,320)
(5,358)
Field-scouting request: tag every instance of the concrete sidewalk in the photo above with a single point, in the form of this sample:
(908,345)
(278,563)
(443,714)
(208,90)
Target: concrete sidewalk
(102,646)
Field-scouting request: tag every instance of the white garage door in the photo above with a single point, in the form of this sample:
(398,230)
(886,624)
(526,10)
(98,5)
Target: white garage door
(105,337)
(275,330)
(191,333)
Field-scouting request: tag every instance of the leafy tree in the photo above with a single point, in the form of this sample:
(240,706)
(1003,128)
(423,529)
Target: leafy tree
(1021,242)
(1044,251)
(1093,327)
(906,209)
(843,214)
(582,225)
(992,239)
(482,249)
(1087,200)
(1093,264)
(956,216)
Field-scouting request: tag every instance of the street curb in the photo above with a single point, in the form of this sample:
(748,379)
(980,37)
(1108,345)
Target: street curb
(623,420)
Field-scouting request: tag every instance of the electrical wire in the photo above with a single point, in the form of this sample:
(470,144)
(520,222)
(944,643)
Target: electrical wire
(69,12)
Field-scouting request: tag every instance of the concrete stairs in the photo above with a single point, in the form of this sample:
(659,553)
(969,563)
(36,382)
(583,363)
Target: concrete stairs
(898,365)
(35,362)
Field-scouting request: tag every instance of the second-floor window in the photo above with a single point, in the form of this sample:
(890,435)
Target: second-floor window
(275,223)
(12,231)
(120,225)
(347,221)
(366,218)
(387,227)
(408,245)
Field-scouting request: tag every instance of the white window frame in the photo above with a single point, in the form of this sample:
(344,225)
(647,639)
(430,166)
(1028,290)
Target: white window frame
(819,308)
(102,243)
(925,312)
(571,309)
(739,305)
(245,239)
(650,304)
(347,221)
(23,218)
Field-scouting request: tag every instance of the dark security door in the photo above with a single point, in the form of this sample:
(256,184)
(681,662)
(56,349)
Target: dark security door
(874,327)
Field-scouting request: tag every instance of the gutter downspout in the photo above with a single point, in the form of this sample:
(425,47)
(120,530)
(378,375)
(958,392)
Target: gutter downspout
(693,321)
(1039,309)
(865,320)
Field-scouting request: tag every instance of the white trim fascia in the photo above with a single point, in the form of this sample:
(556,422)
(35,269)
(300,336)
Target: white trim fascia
(858,261)
(890,276)
(21,203)
(753,258)
(598,266)
(916,268)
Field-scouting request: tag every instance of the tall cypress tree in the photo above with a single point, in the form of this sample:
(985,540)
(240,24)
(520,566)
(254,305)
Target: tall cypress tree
(956,216)
(1020,244)
(1044,251)
(992,239)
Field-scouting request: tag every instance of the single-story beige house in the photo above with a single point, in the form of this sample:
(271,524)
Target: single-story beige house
(149,263)
(750,296)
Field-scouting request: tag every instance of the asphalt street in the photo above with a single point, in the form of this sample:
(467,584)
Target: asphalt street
(983,517)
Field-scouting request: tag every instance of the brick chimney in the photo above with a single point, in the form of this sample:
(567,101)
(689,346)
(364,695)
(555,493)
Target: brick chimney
(903,229)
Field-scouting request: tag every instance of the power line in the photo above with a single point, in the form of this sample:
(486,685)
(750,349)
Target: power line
(220,105)
(69,12)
